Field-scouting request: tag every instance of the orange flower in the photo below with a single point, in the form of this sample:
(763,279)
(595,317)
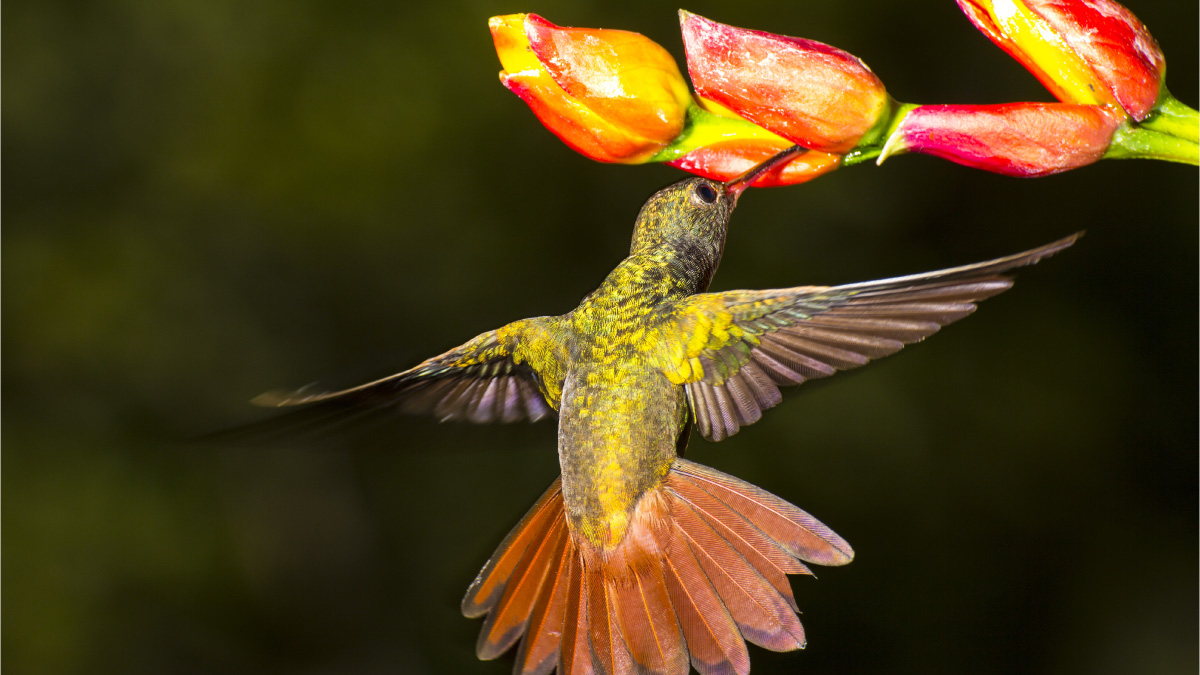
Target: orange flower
(612,95)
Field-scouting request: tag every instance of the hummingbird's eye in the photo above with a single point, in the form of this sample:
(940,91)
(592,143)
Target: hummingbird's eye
(706,193)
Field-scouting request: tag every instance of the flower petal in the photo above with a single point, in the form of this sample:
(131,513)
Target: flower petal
(726,160)
(624,77)
(583,130)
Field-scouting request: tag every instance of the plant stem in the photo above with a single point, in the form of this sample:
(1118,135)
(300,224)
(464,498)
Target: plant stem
(878,143)
(1136,142)
(1174,118)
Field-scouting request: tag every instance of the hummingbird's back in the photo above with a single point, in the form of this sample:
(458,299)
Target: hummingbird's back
(619,417)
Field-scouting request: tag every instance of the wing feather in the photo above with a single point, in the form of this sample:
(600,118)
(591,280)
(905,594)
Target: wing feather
(733,350)
(491,378)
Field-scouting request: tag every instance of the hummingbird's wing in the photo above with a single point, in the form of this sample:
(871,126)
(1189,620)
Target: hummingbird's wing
(733,350)
(485,380)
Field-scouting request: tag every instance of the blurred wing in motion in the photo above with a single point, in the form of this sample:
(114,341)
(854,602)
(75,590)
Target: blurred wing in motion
(733,350)
(485,380)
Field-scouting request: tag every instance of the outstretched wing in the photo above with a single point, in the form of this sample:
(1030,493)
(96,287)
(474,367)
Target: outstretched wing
(733,350)
(489,379)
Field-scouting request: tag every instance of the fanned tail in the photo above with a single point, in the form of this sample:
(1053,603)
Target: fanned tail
(703,568)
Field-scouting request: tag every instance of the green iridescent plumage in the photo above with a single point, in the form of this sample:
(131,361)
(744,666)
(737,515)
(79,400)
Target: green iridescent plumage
(648,352)
(635,555)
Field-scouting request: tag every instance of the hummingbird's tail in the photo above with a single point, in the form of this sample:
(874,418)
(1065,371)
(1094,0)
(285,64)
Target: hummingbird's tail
(701,569)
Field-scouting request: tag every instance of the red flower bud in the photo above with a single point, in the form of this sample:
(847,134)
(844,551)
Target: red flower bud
(726,160)
(818,96)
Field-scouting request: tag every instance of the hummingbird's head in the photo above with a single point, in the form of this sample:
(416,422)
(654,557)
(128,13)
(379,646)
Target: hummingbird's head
(693,214)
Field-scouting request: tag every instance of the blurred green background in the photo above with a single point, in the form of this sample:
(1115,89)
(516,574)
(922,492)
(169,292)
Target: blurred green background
(206,200)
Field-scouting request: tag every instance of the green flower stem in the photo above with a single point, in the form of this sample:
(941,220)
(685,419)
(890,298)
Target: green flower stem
(861,154)
(1170,134)
(874,142)
(1138,142)
(1174,118)
(703,128)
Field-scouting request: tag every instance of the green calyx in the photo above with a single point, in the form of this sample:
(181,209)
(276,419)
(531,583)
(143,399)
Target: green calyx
(1170,134)
(1173,118)
(703,128)
(1134,142)
(874,145)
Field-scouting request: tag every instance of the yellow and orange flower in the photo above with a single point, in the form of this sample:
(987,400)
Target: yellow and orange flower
(612,95)
(1083,51)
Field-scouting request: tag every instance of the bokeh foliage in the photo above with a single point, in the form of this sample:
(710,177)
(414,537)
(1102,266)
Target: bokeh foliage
(204,200)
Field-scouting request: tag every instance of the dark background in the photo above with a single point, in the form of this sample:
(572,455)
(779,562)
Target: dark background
(204,200)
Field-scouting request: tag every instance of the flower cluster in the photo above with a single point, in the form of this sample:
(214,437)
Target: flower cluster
(617,96)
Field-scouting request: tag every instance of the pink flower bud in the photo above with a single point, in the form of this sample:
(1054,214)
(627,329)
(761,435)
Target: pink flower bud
(1014,139)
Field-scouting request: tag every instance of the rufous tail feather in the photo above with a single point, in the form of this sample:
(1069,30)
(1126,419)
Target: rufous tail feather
(702,568)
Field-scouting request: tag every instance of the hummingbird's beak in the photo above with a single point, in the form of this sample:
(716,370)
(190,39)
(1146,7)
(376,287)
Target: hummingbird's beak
(735,187)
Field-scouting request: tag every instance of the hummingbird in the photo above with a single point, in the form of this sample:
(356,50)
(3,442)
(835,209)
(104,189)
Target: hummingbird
(635,559)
